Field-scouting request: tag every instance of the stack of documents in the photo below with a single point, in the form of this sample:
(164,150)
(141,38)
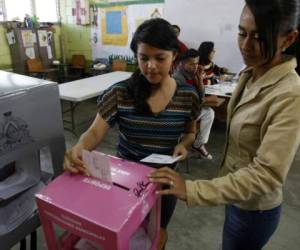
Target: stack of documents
(221,89)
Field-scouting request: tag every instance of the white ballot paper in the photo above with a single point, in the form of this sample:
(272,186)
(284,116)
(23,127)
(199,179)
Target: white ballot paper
(97,165)
(161,159)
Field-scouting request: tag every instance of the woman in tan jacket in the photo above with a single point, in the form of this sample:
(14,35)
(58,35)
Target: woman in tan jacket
(263,130)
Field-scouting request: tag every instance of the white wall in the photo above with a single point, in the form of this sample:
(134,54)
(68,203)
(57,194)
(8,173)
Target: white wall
(200,20)
(209,20)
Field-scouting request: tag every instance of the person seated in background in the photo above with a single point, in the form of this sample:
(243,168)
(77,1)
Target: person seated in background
(189,72)
(206,52)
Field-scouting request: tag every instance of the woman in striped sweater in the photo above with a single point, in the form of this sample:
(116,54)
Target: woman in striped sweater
(153,111)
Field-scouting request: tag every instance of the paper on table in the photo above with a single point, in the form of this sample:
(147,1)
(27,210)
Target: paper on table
(97,164)
(161,159)
(221,89)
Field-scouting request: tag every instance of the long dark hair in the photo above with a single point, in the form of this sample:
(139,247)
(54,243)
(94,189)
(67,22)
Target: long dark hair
(295,50)
(274,18)
(158,33)
(204,50)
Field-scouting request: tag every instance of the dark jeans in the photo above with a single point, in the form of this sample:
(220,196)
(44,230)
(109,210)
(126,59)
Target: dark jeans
(168,204)
(248,230)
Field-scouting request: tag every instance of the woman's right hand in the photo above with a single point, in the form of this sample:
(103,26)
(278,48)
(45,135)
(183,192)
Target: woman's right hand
(168,176)
(73,161)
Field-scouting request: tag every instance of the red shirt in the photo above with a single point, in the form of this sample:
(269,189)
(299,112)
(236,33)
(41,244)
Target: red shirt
(191,81)
(182,47)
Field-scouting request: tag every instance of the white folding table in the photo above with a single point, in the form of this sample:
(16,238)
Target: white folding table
(80,90)
(223,89)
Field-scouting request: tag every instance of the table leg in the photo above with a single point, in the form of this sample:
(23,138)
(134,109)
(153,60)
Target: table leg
(23,244)
(33,240)
(71,110)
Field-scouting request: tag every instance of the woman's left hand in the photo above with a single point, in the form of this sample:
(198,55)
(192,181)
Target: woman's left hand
(180,149)
(169,177)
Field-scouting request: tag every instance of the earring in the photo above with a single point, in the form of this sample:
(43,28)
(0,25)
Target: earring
(283,50)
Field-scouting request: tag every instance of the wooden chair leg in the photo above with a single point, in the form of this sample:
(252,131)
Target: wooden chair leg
(23,244)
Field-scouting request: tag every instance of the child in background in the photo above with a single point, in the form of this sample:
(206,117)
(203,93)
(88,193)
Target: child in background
(189,72)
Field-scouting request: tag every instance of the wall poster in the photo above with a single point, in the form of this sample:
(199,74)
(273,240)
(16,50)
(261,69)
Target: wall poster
(114,26)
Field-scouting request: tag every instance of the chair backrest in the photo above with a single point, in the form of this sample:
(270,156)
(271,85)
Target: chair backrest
(35,65)
(118,65)
(78,61)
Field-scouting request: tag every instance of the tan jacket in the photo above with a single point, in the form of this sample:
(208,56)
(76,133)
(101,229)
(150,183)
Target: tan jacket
(263,134)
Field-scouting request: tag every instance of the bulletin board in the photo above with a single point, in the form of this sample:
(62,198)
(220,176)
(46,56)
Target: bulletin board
(199,20)
(114,36)
(114,26)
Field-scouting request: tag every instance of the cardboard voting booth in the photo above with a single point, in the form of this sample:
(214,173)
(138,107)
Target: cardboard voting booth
(123,215)
(32,148)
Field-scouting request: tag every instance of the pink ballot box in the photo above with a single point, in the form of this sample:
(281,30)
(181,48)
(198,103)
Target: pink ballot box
(124,215)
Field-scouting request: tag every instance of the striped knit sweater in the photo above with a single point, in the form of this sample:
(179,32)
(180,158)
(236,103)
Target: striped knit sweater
(144,134)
